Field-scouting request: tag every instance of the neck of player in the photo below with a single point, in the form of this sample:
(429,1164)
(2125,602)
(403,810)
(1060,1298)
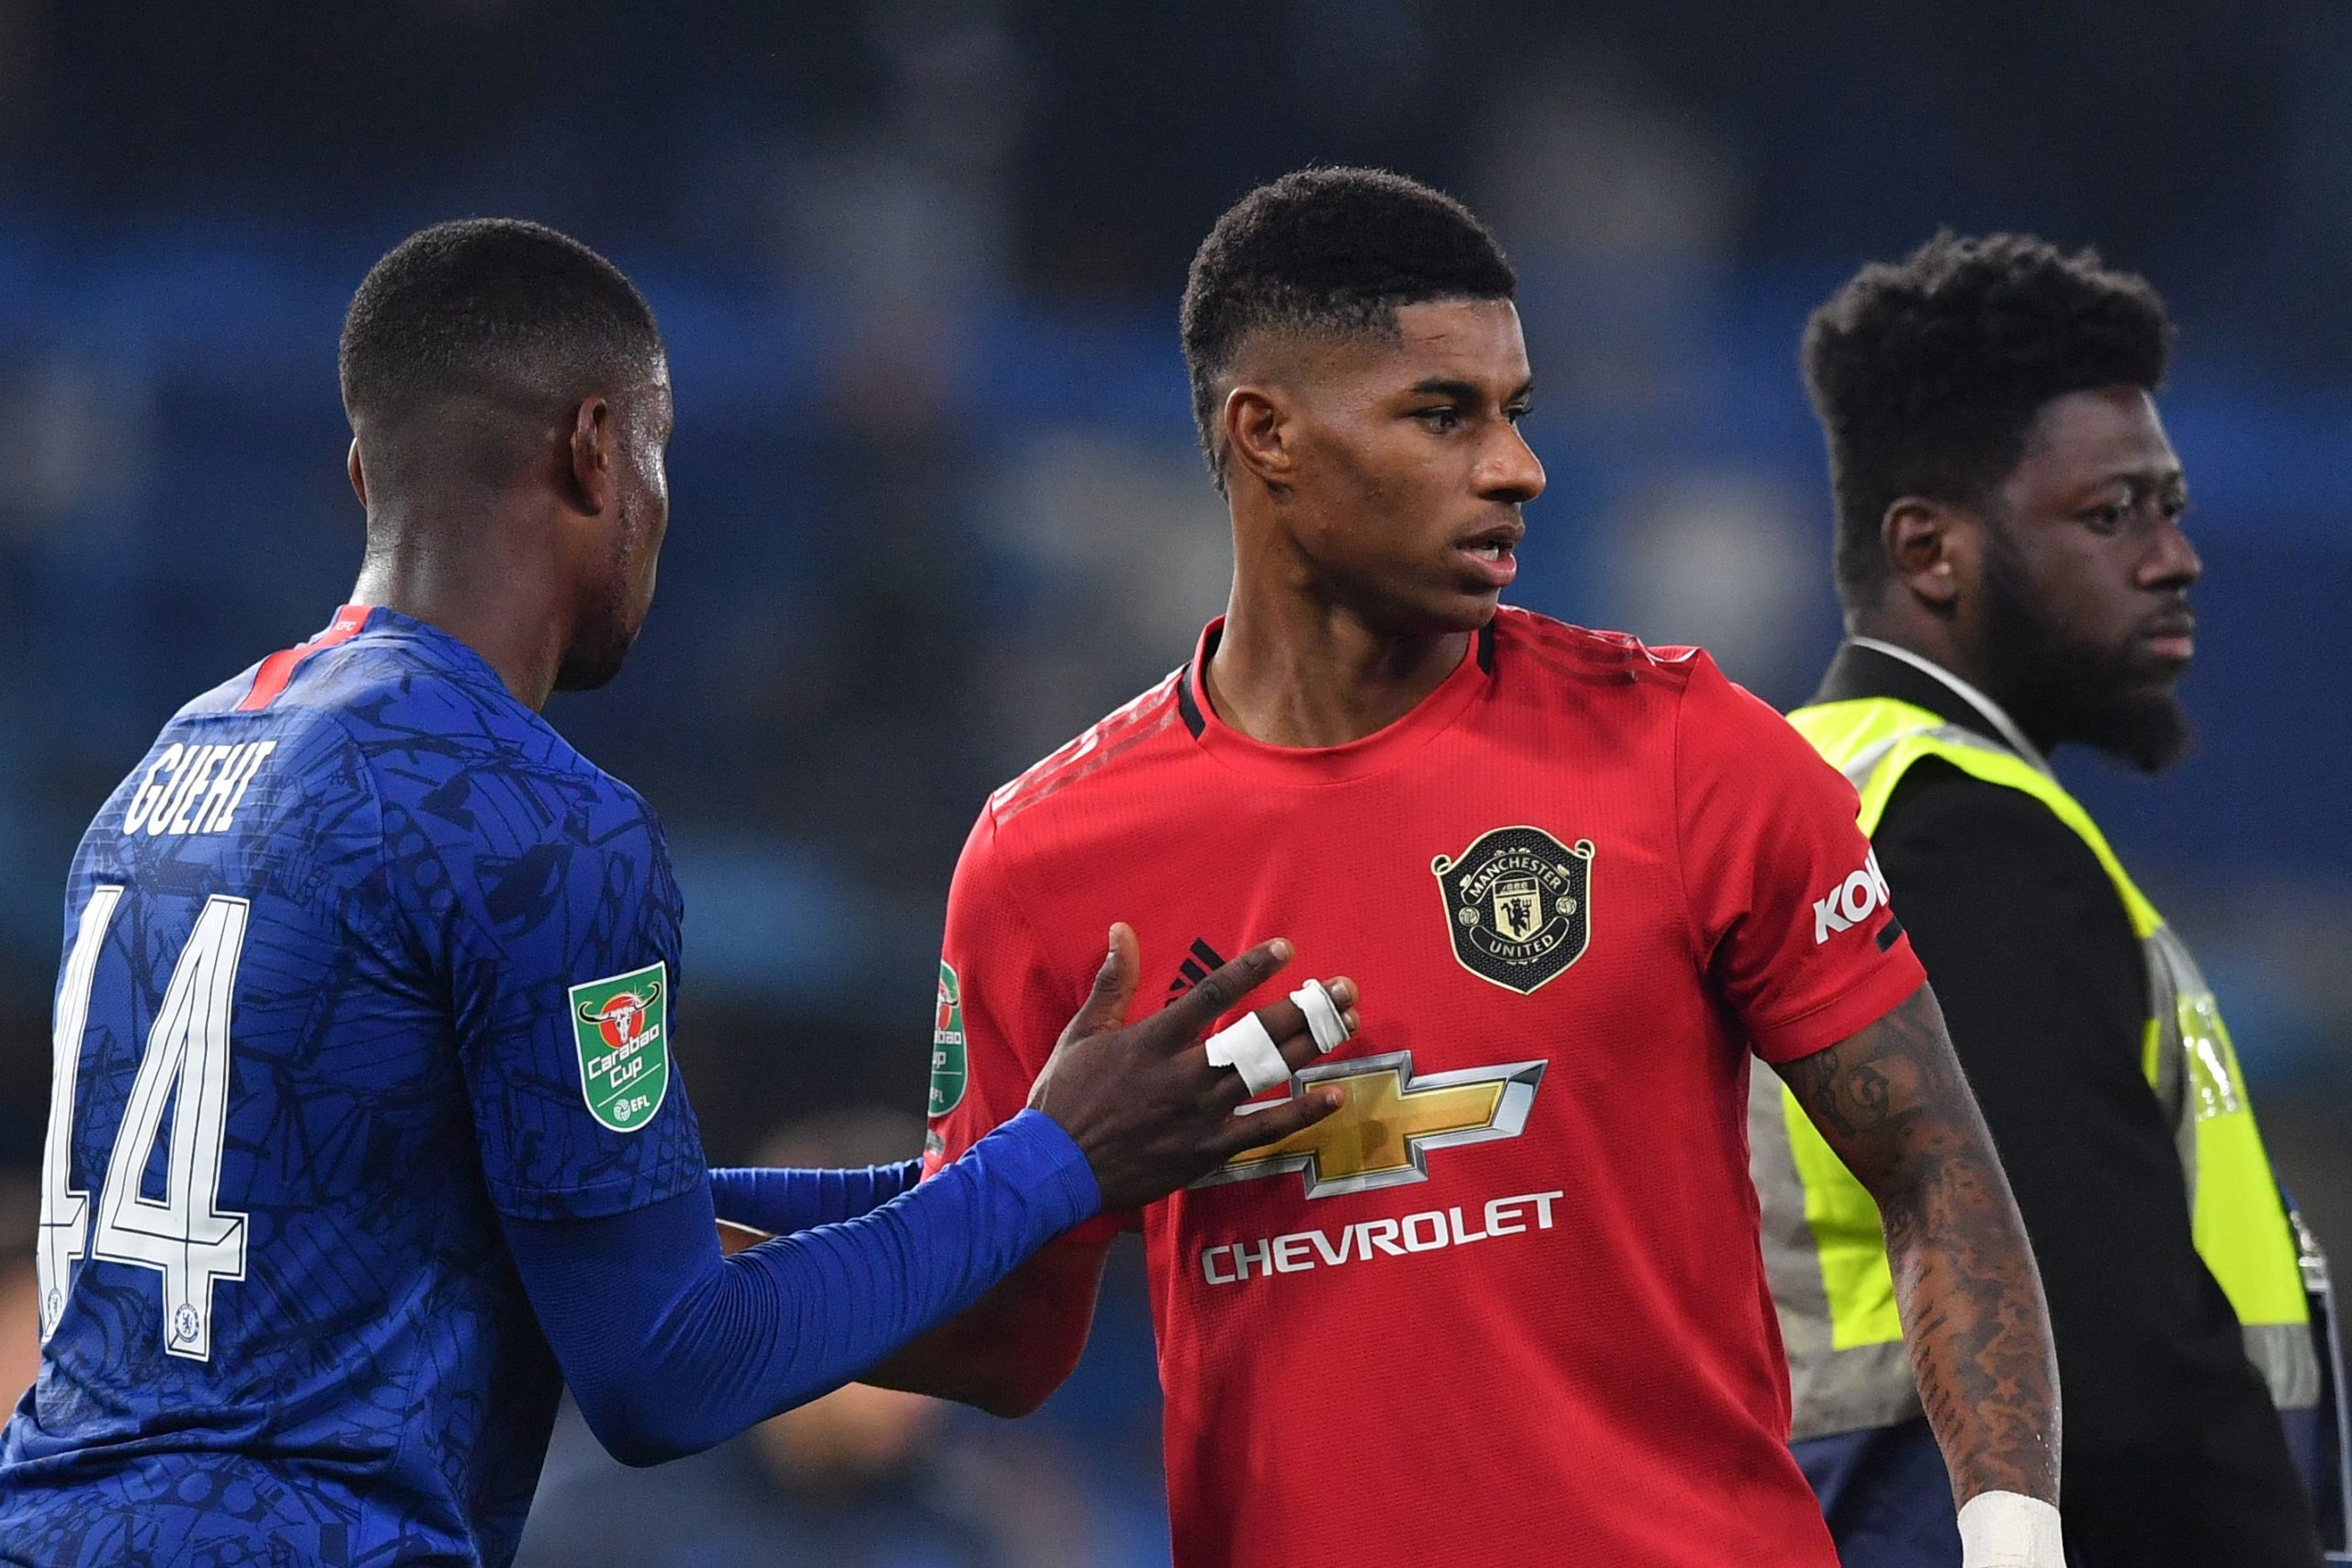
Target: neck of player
(487,585)
(1291,670)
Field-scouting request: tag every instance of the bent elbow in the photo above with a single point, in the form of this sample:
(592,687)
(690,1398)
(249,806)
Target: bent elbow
(641,1452)
(640,1430)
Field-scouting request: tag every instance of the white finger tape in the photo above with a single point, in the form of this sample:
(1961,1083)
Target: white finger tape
(1323,1019)
(2009,1530)
(1249,1050)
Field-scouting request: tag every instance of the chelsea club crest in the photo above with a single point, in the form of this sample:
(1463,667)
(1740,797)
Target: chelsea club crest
(1518,906)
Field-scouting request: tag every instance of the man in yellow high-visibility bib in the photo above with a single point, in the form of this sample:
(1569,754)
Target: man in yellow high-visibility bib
(2015,577)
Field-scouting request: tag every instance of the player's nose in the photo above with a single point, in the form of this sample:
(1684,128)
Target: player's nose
(1508,470)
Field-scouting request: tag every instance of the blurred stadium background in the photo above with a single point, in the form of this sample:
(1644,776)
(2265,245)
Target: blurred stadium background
(936,505)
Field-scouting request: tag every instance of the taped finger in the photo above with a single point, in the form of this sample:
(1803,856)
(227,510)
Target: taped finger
(1249,1050)
(1323,1019)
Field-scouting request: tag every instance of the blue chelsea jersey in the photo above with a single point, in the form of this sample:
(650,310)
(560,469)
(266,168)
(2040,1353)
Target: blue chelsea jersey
(360,957)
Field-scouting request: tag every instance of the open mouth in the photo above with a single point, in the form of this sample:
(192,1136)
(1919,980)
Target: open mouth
(1493,553)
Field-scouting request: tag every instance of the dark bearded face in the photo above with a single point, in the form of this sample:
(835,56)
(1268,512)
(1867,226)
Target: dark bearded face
(2078,619)
(2062,685)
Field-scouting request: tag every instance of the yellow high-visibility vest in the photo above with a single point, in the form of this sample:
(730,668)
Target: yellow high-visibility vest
(1823,1249)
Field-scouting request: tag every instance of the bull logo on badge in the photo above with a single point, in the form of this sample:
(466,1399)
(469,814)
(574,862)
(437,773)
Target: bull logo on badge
(620,1020)
(1518,906)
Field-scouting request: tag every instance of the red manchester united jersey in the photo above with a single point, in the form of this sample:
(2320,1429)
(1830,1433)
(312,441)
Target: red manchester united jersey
(1506,1305)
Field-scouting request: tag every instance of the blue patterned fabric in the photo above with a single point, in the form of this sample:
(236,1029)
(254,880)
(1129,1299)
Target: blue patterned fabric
(404,888)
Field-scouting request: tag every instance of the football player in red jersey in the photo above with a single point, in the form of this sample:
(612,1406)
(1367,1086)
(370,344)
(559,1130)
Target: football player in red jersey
(1506,1305)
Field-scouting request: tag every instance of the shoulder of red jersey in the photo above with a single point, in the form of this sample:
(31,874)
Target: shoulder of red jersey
(1585,652)
(1099,755)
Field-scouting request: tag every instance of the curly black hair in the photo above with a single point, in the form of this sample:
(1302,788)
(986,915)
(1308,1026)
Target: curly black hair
(1327,250)
(1927,374)
(491,305)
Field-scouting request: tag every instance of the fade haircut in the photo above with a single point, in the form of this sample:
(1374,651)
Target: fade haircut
(1331,251)
(492,307)
(1928,375)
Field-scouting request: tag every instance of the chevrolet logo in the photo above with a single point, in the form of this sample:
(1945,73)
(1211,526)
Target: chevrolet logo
(1382,1137)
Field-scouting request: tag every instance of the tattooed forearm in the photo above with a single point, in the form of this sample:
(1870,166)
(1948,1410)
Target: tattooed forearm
(1893,1104)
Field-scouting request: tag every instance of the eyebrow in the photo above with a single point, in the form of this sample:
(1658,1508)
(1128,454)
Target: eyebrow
(1469,392)
(2146,481)
(2172,478)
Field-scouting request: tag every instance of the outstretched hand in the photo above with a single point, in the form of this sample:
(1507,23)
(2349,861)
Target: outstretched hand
(1142,1101)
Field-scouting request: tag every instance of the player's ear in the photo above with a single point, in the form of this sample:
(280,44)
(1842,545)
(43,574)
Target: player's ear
(1259,436)
(595,459)
(1928,544)
(358,478)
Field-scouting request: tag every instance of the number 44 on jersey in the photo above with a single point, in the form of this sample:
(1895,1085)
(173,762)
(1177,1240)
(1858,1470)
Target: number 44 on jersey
(185,1237)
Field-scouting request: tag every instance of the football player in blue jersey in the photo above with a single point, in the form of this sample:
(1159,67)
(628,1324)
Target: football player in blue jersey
(367,1126)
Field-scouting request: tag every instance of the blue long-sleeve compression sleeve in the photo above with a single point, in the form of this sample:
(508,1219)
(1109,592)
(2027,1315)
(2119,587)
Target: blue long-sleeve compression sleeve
(785,1200)
(670,1348)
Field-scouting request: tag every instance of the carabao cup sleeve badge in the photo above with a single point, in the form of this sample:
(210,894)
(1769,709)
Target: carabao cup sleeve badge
(947,1073)
(1518,906)
(622,1027)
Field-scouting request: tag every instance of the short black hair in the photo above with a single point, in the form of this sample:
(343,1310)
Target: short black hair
(1328,250)
(1927,374)
(491,305)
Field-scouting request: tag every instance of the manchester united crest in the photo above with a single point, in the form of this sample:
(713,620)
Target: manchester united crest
(1518,906)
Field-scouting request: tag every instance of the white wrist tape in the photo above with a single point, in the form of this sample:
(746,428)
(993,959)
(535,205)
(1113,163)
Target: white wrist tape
(1249,1050)
(2009,1530)
(1323,1019)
